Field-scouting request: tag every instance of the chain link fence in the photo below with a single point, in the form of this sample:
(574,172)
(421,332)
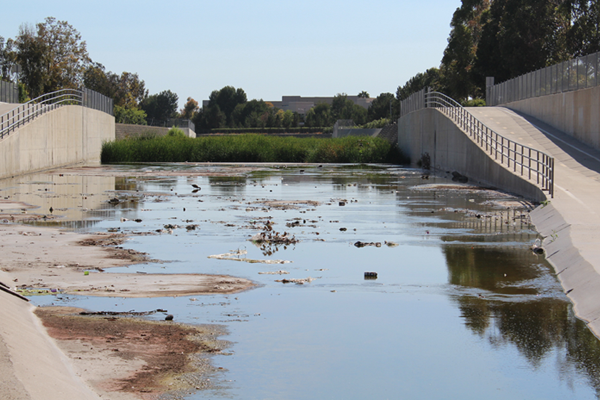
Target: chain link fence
(579,73)
(9,92)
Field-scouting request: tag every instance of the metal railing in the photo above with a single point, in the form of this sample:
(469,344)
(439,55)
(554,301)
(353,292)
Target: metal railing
(528,162)
(579,73)
(9,92)
(27,112)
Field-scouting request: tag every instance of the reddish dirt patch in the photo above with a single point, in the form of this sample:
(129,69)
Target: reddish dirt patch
(164,347)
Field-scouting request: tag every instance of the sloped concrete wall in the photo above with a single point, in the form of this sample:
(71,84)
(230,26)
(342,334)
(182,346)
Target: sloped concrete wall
(66,136)
(575,113)
(450,149)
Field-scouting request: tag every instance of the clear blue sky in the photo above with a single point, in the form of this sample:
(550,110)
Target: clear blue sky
(269,48)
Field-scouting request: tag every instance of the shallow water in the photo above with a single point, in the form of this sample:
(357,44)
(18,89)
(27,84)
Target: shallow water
(460,308)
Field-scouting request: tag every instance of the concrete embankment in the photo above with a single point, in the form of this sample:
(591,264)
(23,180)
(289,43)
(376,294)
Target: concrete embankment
(570,222)
(430,133)
(31,365)
(66,136)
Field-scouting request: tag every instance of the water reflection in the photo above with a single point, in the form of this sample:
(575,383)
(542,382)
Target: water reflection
(462,267)
(70,197)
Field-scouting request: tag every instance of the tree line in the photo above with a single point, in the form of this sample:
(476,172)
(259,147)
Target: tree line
(499,38)
(52,55)
(508,38)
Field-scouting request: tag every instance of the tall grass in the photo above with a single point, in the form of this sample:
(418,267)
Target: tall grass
(251,148)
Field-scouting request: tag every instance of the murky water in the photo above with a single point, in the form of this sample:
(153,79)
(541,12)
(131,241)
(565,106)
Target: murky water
(460,307)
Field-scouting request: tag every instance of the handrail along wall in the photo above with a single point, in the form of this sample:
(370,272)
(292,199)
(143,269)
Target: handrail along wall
(521,159)
(26,112)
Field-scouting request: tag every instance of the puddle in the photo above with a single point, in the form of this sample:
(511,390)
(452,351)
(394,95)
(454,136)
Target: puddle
(459,306)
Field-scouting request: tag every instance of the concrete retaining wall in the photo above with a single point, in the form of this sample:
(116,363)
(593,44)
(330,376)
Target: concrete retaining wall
(66,136)
(123,131)
(575,113)
(450,149)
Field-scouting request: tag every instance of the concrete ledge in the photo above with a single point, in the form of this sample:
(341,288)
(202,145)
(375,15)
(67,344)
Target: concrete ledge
(578,277)
(451,149)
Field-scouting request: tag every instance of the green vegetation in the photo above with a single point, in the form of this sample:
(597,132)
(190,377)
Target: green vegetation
(474,103)
(129,115)
(176,132)
(506,39)
(267,130)
(250,148)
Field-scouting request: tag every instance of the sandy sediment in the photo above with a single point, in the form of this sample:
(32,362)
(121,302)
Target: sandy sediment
(32,365)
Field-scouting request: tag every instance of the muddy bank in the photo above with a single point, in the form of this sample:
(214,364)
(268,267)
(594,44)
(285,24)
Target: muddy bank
(50,259)
(124,357)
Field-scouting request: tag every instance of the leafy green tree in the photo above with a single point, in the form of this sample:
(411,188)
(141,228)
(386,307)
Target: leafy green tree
(382,107)
(131,90)
(459,55)
(521,36)
(319,115)
(160,107)
(129,116)
(7,59)
(364,95)
(287,119)
(53,56)
(250,114)
(584,35)
(429,78)
(227,99)
(96,78)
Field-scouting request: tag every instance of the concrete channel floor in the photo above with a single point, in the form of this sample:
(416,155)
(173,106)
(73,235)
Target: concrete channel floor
(570,222)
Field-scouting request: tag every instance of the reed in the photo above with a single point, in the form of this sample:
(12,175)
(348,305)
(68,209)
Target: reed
(251,148)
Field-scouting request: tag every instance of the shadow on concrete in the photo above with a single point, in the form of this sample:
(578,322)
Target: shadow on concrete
(582,153)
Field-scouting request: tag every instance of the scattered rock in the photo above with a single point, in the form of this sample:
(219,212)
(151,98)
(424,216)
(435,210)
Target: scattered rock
(169,317)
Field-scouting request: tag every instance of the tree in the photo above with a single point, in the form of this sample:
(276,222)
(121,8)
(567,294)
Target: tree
(382,107)
(364,95)
(521,36)
(129,116)
(96,78)
(288,119)
(249,114)
(7,59)
(131,90)
(459,55)
(320,115)
(341,107)
(430,78)
(190,109)
(160,107)
(52,57)
(584,35)
(227,99)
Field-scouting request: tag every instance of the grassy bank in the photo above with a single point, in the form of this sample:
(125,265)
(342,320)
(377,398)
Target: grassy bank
(250,148)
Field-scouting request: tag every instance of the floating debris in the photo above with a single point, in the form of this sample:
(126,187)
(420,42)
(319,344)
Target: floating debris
(274,273)
(236,256)
(365,244)
(297,281)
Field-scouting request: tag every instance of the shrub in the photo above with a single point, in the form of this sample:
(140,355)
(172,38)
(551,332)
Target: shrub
(250,148)
(176,132)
